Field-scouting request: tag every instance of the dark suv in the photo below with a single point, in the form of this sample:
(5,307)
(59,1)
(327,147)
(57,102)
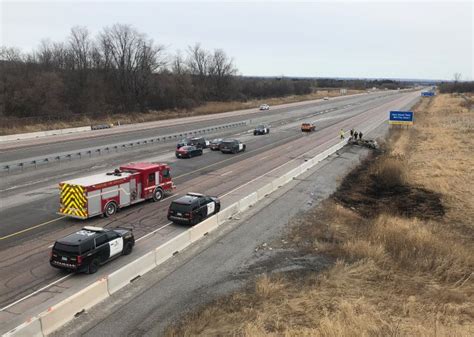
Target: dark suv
(183,142)
(200,142)
(90,247)
(193,208)
(231,146)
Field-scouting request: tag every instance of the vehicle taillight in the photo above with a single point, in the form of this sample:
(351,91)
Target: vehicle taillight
(79,259)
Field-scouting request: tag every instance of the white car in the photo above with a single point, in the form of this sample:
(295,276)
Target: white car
(264,107)
(326,98)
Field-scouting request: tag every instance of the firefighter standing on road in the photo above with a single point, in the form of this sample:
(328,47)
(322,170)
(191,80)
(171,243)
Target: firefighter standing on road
(355,135)
(341,133)
(360,135)
(352,132)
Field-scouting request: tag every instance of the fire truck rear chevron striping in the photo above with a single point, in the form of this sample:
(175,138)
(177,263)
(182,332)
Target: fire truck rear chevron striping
(105,193)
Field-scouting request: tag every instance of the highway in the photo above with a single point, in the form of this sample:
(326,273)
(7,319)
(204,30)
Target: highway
(29,228)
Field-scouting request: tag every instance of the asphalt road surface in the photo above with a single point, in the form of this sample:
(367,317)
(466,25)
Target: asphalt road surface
(29,229)
(217,265)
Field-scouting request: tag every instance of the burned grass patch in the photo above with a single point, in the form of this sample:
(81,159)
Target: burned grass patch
(379,185)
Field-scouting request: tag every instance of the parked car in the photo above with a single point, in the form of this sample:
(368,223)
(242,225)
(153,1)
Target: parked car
(215,144)
(232,146)
(193,208)
(261,129)
(188,152)
(200,142)
(183,142)
(90,247)
(308,127)
(264,107)
(326,98)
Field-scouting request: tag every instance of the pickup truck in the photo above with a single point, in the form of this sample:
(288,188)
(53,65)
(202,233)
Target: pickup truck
(308,127)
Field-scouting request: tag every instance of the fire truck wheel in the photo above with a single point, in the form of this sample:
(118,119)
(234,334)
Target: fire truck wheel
(158,194)
(110,209)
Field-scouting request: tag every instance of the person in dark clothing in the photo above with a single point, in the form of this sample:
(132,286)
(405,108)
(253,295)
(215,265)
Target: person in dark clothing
(360,135)
(352,132)
(355,135)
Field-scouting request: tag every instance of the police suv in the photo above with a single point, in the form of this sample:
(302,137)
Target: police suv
(193,208)
(232,146)
(90,247)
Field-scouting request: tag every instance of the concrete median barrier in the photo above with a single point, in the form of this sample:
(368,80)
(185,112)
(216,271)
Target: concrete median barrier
(227,213)
(120,278)
(264,191)
(248,201)
(306,166)
(278,182)
(198,231)
(292,174)
(168,249)
(64,311)
(31,328)
(39,134)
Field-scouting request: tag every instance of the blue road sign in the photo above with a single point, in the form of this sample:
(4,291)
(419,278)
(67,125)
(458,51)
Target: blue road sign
(401,117)
(427,93)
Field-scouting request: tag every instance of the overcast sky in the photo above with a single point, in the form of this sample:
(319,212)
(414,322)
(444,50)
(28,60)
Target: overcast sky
(334,39)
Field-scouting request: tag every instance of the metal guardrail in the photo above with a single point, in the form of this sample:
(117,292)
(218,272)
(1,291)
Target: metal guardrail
(106,149)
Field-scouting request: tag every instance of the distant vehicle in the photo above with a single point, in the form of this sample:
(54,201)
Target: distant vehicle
(326,98)
(232,146)
(183,142)
(261,129)
(106,193)
(308,127)
(188,152)
(199,142)
(264,107)
(215,144)
(193,208)
(90,247)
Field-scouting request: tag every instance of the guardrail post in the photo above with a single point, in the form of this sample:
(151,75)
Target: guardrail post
(21,165)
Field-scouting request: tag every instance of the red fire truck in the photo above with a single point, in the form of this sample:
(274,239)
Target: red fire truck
(105,193)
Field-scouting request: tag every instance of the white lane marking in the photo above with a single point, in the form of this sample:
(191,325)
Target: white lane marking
(228,172)
(156,230)
(264,157)
(65,277)
(289,147)
(35,292)
(153,232)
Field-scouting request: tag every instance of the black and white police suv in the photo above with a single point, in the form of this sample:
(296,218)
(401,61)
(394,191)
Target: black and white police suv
(90,247)
(232,146)
(261,129)
(193,208)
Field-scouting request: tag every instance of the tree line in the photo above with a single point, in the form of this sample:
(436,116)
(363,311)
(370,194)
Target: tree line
(121,70)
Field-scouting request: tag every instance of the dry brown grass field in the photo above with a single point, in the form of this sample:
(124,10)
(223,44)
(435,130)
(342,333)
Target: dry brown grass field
(206,109)
(400,229)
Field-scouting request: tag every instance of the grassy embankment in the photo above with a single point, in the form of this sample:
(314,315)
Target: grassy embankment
(206,109)
(400,230)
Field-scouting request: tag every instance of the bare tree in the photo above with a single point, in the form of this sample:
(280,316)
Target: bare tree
(221,71)
(10,54)
(131,59)
(198,61)
(457,77)
(81,46)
